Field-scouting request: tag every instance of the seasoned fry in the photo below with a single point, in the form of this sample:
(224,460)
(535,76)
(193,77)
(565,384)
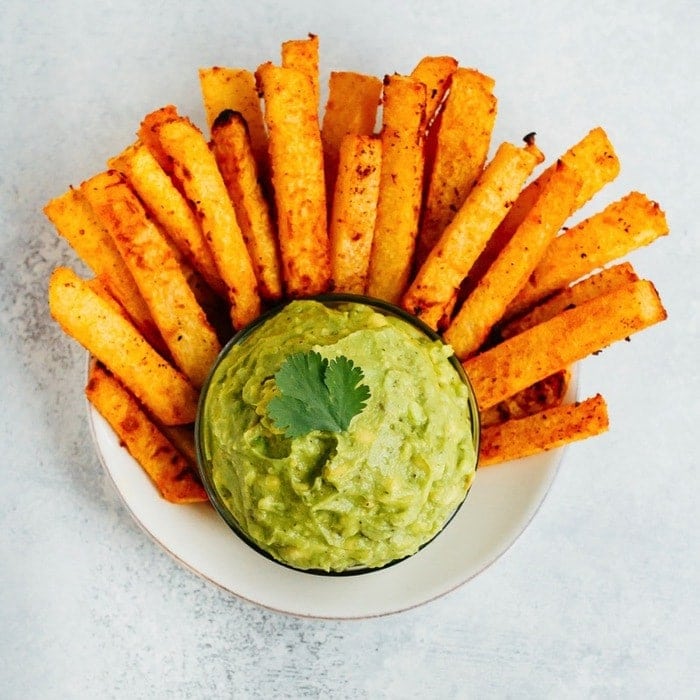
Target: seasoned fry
(169,208)
(196,169)
(600,283)
(232,150)
(593,158)
(148,134)
(172,474)
(485,306)
(436,284)
(570,336)
(435,72)
(113,340)
(400,188)
(354,212)
(182,438)
(190,339)
(296,157)
(351,108)
(547,393)
(302,55)
(461,139)
(75,221)
(543,431)
(623,226)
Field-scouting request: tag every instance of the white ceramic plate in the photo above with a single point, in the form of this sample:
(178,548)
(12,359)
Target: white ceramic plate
(501,503)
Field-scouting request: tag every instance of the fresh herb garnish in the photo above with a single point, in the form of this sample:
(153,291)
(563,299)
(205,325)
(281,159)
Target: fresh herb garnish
(317,394)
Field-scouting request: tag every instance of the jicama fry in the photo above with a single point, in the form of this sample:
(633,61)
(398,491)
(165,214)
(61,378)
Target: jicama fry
(400,188)
(435,72)
(115,342)
(172,473)
(570,336)
(547,430)
(302,55)
(148,134)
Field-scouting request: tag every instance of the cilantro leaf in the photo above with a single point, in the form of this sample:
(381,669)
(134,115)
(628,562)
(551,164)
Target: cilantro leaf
(316,394)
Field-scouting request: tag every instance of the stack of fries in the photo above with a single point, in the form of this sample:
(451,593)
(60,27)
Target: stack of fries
(191,237)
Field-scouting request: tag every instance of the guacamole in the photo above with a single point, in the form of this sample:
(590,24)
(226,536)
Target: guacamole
(363,497)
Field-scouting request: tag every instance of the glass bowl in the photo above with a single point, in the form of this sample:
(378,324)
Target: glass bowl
(466,430)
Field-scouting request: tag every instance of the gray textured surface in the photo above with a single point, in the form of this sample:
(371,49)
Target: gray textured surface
(598,598)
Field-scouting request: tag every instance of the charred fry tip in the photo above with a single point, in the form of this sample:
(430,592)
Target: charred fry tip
(529,138)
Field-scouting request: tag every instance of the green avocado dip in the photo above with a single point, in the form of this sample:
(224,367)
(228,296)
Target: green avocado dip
(336,500)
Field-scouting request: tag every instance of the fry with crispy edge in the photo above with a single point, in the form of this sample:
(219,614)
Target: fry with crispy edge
(75,221)
(435,72)
(169,208)
(543,431)
(198,173)
(296,159)
(354,212)
(400,188)
(593,157)
(485,306)
(588,288)
(302,55)
(231,147)
(113,340)
(570,336)
(351,108)
(624,225)
(172,473)
(459,145)
(148,134)
(182,323)
(439,278)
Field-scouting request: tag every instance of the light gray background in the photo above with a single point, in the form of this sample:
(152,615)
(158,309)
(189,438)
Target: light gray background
(599,597)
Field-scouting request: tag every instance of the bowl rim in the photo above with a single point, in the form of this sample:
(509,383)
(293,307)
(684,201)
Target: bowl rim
(329,299)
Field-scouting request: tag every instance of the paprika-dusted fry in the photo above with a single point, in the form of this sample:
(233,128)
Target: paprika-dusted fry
(588,288)
(400,188)
(626,224)
(439,278)
(196,170)
(148,134)
(169,208)
(485,306)
(302,55)
(172,473)
(296,159)
(183,325)
(115,342)
(232,149)
(556,427)
(354,212)
(351,108)
(570,336)
(459,141)
(435,72)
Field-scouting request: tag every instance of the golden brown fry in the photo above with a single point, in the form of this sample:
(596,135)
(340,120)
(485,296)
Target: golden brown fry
(435,72)
(296,158)
(302,55)
(460,142)
(570,336)
(148,134)
(171,473)
(196,169)
(182,437)
(190,339)
(235,89)
(354,212)
(351,108)
(400,188)
(113,340)
(602,282)
(231,147)
(75,221)
(439,278)
(593,158)
(623,226)
(485,306)
(547,430)
(169,208)
(547,393)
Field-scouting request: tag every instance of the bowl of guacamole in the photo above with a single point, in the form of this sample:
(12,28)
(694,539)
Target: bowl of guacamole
(337,435)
